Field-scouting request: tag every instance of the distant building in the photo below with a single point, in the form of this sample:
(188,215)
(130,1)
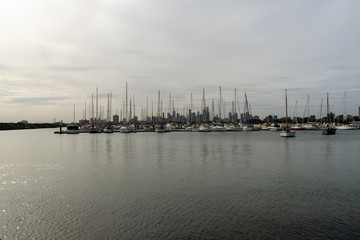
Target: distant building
(84,122)
(331,117)
(347,116)
(116,119)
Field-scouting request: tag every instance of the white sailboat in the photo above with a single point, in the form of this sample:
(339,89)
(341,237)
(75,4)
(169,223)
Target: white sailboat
(126,128)
(218,128)
(204,128)
(287,132)
(346,127)
(160,129)
(247,125)
(329,130)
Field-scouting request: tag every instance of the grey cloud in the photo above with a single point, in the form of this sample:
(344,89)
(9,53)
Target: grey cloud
(71,68)
(37,100)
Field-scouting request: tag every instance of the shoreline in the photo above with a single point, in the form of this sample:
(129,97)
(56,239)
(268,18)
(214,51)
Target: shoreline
(21,126)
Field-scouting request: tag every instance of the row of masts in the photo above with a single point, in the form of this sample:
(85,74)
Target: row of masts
(96,112)
(128,111)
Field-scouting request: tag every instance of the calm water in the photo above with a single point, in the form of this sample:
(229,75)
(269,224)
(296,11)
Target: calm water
(245,185)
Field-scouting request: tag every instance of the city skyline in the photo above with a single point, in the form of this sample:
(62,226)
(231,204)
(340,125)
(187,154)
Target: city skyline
(56,53)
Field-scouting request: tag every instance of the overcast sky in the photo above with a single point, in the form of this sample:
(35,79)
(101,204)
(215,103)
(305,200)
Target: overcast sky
(53,54)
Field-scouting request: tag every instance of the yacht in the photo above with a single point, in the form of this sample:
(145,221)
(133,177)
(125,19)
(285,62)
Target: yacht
(125,129)
(72,129)
(108,129)
(161,129)
(204,128)
(218,128)
(346,127)
(275,127)
(287,132)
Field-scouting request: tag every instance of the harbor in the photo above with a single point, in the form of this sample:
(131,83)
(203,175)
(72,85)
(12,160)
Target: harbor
(179,120)
(200,128)
(200,117)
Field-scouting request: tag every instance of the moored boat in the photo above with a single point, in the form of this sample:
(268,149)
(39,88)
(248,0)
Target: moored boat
(329,129)
(72,129)
(161,129)
(125,129)
(346,127)
(108,129)
(297,126)
(275,127)
(248,128)
(233,128)
(286,132)
(204,128)
(218,128)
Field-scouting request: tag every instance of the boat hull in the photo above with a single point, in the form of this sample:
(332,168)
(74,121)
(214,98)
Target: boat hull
(345,128)
(160,130)
(330,131)
(287,134)
(125,130)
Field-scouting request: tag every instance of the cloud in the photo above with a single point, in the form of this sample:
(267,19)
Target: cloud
(36,100)
(70,68)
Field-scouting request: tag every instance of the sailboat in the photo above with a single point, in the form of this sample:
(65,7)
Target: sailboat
(126,128)
(329,130)
(287,132)
(346,125)
(247,126)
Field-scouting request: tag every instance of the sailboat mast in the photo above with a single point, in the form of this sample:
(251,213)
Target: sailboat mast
(235,105)
(108,109)
(220,103)
(85,111)
(147,108)
(134,113)
(158,114)
(169,110)
(287,128)
(97,104)
(212,110)
(92,107)
(327,108)
(321,105)
(191,107)
(130,111)
(203,106)
(110,105)
(247,114)
(126,100)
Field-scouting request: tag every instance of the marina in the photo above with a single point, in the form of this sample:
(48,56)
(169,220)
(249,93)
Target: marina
(179,120)
(202,118)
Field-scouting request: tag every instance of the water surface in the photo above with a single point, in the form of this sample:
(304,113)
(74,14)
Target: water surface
(233,185)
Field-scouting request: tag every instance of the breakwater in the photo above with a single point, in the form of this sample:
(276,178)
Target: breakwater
(20,125)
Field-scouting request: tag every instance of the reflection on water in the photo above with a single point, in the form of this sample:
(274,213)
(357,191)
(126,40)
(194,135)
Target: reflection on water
(328,152)
(179,186)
